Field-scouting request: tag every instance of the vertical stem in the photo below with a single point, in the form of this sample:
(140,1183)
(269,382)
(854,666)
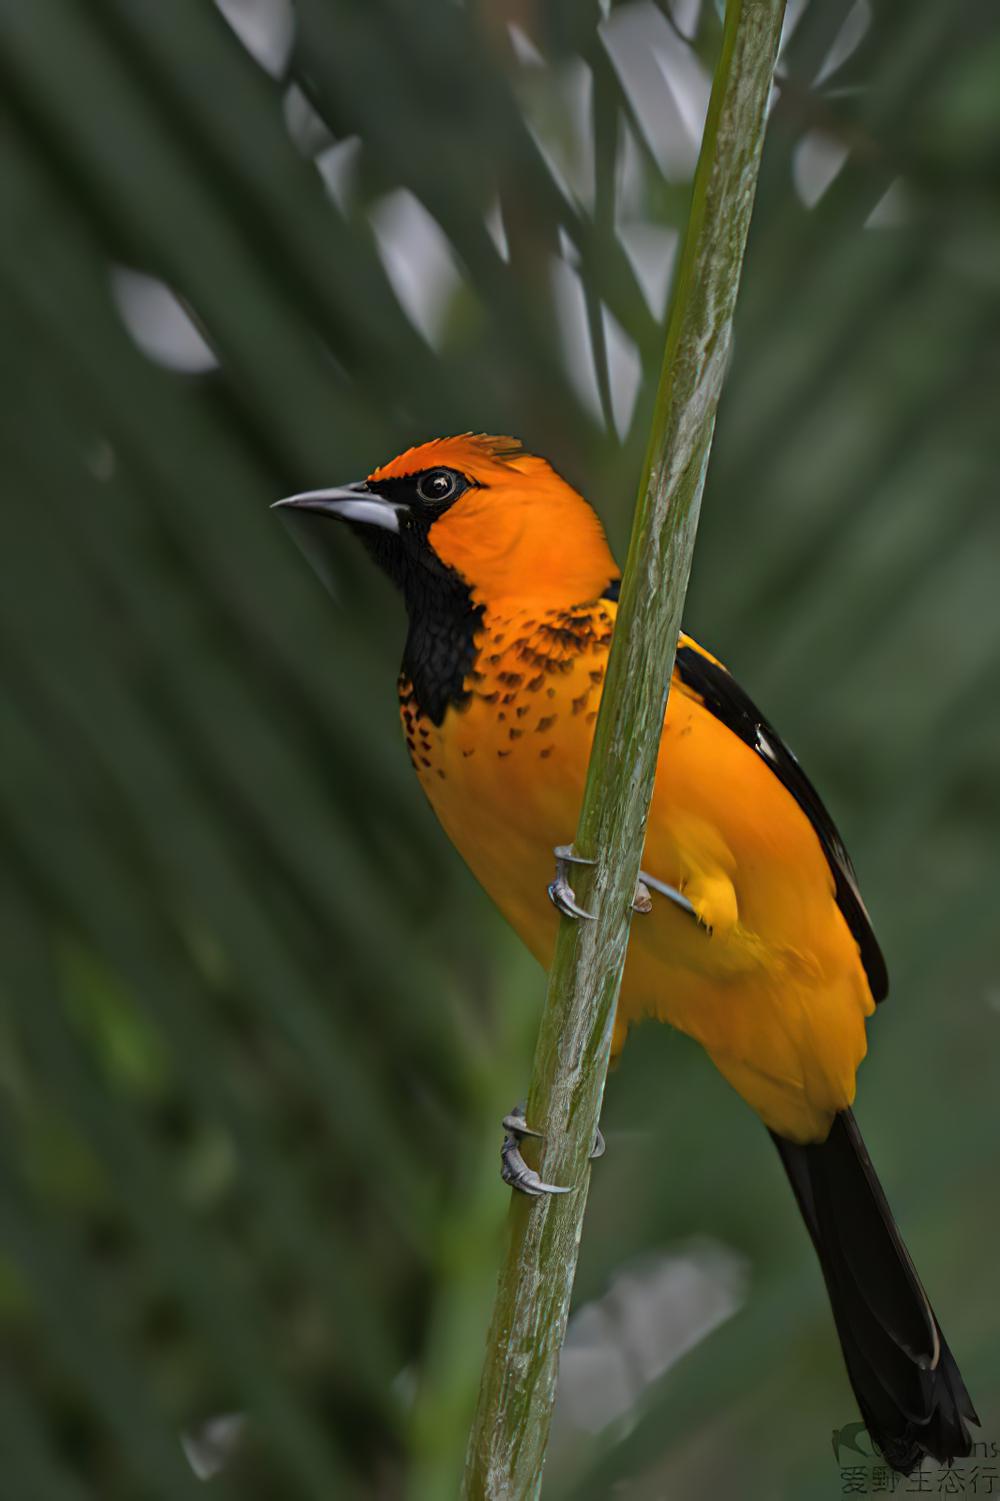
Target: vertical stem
(510,1431)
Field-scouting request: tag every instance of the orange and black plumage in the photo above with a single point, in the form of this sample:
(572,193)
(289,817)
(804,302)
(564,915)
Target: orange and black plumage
(770,961)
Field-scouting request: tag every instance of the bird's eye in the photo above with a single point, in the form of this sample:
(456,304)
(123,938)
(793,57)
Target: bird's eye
(438,485)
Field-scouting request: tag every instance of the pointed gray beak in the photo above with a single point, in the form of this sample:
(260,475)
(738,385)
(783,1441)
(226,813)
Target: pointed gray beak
(346,503)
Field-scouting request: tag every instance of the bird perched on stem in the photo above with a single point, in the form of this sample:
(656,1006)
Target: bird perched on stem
(753,937)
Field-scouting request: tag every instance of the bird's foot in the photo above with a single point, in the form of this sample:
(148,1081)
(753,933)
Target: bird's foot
(647,883)
(561,893)
(515,1172)
(563,897)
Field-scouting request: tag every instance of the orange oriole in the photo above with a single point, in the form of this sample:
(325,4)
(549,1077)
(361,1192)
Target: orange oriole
(758,943)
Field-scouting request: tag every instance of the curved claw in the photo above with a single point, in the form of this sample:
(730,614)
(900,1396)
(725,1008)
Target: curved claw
(561,894)
(642,902)
(600,1146)
(563,898)
(518,1175)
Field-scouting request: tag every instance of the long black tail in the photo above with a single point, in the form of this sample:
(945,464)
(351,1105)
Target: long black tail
(909,1389)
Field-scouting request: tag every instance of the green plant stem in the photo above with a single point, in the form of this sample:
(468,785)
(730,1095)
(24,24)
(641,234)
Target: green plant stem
(510,1430)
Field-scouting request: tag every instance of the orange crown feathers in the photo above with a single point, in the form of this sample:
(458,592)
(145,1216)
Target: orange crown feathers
(468,452)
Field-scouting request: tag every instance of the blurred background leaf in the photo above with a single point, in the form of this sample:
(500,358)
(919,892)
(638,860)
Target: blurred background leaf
(257,1024)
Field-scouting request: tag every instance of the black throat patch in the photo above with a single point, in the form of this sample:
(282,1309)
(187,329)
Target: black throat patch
(440,645)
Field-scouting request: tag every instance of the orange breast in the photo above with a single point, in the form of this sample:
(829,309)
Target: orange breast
(770,982)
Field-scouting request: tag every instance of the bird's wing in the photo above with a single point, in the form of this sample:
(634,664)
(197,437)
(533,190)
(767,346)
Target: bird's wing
(708,681)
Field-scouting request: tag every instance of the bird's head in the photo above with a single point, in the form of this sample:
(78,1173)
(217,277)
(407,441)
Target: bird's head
(476,509)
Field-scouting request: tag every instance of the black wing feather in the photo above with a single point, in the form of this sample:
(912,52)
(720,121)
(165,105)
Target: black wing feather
(724,698)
